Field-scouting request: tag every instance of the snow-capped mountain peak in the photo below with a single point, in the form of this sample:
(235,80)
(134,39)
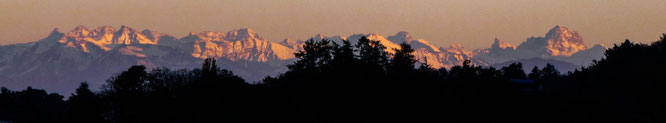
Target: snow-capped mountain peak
(79,32)
(559,41)
(564,42)
(104,50)
(353,39)
(240,44)
(127,36)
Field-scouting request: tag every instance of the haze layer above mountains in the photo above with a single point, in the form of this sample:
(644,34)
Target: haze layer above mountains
(63,59)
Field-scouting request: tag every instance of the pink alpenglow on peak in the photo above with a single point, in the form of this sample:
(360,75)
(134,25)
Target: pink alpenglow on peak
(564,42)
(236,45)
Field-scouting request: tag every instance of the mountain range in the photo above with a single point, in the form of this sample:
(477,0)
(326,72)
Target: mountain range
(60,61)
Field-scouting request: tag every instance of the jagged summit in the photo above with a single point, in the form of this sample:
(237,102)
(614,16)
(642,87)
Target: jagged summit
(243,34)
(293,44)
(237,45)
(390,45)
(405,37)
(233,35)
(498,52)
(55,32)
(401,37)
(559,41)
(208,35)
(127,36)
(104,30)
(104,37)
(79,32)
(499,44)
(100,52)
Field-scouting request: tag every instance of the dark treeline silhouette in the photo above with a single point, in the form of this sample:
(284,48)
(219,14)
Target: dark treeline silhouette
(364,82)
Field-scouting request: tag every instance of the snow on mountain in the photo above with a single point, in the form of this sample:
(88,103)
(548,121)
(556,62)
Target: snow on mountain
(353,39)
(297,45)
(128,36)
(564,42)
(458,49)
(424,51)
(405,37)
(61,60)
(559,41)
(105,37)
(241,44)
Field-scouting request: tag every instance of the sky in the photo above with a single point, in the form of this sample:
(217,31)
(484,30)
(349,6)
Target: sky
(472,23)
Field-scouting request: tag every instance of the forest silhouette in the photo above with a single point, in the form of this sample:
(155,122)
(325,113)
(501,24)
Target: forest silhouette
(363,82)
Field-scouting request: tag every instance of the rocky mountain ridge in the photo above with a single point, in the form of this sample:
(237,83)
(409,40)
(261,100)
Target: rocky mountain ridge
(94,55)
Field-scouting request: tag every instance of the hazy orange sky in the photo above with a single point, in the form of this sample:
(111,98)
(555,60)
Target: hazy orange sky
(473,23)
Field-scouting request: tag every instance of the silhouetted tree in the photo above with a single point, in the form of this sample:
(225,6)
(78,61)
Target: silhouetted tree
(535,74)
(403,60)
(514,71)
(31,105)
(372,53)
(84,106)
(126,93)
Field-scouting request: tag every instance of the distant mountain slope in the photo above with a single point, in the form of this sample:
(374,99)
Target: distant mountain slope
(498,52)
(424,51)
(242,44)
(560,43)
(60,61)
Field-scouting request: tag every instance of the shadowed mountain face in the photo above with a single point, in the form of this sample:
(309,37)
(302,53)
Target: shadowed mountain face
(560,43)
(62,60)
(498,52)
